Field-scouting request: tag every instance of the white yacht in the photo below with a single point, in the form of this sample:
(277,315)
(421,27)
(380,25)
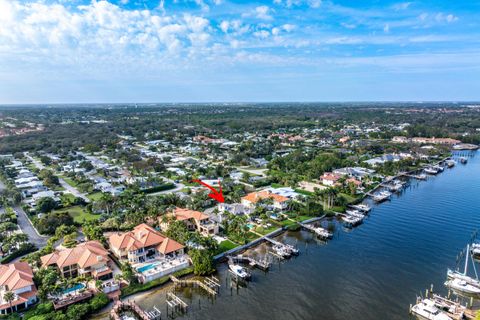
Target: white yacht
(431,170)
(362,207)
(239,271)
(426,309)
(450,163)
(281,251)
(351,221)
(475,250)
(323,233)
(355,213)
(421,176)
(462,286)
(461,282)
(381,196)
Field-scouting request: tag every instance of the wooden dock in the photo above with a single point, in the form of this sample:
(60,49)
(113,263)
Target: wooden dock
(131,306)
(320,232)
(175,304)
(211,285)
(260,264)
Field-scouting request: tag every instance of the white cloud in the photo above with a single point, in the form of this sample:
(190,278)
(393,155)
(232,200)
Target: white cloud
(401,6)
(292,3)
(261,12)
(263,34)
(288,27)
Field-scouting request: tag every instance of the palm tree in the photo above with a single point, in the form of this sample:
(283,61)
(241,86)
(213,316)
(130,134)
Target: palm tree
(9,297)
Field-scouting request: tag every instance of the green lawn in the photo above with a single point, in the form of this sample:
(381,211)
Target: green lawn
(95,196)
(79,214)
(225,246)
(69,181)
(265,231)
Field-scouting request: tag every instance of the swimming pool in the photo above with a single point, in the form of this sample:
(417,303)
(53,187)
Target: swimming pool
(76,287)
(147,267)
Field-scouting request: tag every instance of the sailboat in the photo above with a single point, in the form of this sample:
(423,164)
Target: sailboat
(461,282)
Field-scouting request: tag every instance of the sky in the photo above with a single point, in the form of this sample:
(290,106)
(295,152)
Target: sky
(80,51)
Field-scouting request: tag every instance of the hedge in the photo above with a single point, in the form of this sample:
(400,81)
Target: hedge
(162,187)
(24,249)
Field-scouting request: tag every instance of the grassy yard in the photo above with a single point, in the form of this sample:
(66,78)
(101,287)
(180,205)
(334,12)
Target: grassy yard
(95,196)
(79,214)
(225,246)
(69,181)
(265,231)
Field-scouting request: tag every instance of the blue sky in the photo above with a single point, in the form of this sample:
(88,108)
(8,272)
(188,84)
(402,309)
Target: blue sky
(55,51)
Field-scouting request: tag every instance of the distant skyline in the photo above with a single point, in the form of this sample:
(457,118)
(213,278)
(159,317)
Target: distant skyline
(77,51)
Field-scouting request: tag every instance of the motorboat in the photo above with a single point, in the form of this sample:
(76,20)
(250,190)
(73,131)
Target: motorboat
(355,213)
(431,170)
(362,207)
(421,176)
(381,196)
(239,271)
(323,233)
(281,251)
(351,221)
(475,250)
(426,309)
(450,163)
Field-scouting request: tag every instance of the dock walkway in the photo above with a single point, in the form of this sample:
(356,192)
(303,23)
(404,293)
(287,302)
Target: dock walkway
(210,286)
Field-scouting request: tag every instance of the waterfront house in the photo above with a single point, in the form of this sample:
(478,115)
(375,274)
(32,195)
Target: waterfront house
(251,199)
(237,209)
(194,220)
(143,243)
(17,278)
(330,179)
(151,254)
(89,259)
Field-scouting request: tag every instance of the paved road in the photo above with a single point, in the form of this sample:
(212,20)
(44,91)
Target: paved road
(73,190)
(178,188)
(26,225)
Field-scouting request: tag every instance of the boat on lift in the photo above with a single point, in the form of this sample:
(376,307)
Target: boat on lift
(323,233)
(281,251)
(427,310)
(431,170)
(362,207)
(381,196)
(239,271)
(355,213)
(351,221)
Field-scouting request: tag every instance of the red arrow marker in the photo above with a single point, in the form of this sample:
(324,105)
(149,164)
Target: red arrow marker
(217,195)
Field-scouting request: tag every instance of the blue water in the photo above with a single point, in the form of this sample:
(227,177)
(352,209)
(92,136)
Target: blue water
(74,288)
(371,272)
